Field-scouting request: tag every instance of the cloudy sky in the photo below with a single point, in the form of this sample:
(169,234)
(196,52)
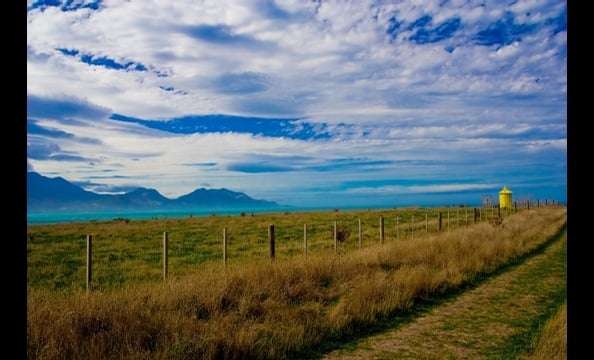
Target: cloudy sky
(306,103)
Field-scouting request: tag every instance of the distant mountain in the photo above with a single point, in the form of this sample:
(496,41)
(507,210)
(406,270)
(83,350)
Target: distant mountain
(46,194)
(217,197)
(41,188)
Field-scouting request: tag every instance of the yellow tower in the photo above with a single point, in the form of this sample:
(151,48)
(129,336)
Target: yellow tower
(505,198)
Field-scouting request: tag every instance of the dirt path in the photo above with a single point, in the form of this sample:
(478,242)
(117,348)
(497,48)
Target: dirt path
(477,323)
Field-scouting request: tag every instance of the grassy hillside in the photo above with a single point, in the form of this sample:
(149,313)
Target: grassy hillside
(292,307)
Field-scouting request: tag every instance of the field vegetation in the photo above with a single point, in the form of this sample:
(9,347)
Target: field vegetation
(551,342)
(298,305)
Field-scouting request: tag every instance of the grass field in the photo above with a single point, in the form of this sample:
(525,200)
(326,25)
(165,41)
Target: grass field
(296,306)
(130,252)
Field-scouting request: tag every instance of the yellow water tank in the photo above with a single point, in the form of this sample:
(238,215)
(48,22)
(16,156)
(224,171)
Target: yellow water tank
(505,198)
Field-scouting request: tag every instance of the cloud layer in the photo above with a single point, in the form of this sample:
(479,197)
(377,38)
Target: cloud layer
(320,103)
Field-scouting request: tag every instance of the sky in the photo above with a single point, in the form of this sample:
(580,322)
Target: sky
(346,103)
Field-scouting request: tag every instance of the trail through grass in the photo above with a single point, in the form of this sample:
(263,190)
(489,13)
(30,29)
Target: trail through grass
(300,307)
(496,320)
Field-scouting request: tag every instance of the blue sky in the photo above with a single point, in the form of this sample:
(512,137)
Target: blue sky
(306,103)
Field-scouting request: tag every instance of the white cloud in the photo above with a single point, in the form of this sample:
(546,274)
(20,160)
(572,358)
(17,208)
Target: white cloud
(381,95)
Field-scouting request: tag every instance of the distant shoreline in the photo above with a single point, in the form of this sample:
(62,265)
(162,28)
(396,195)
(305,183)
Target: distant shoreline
(70,217)
(49,218)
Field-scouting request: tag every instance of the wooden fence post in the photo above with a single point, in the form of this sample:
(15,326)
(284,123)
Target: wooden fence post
(466,216)
(448,219)
(335,237)
(271,240)
(165,245)
(224,247)
(381,230)
(397,226)
(89,261)
(305,240)
(412,227)
(360,234)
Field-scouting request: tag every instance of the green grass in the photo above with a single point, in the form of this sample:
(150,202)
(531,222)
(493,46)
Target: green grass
(253,308)
(502,314)
(130,252)
(552,295)
(549,341)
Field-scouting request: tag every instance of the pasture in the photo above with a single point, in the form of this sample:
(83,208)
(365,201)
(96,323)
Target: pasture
(252,306)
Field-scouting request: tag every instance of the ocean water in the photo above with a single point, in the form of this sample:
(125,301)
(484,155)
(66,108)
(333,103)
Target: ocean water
(74,217)
(82,216)
(70,217)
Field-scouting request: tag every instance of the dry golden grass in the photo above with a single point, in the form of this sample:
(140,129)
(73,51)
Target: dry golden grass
(274,310)
(497,319)
(551,344)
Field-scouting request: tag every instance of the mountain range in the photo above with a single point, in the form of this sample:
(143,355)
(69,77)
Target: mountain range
(45,194)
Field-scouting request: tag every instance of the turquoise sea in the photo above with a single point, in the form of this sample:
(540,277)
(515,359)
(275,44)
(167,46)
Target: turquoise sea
(68,217)
(73,217)
(86,216)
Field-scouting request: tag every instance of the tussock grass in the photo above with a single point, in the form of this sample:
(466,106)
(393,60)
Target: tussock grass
(262,309)
(551,342)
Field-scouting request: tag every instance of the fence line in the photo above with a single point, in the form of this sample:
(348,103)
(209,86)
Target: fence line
(271,237)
